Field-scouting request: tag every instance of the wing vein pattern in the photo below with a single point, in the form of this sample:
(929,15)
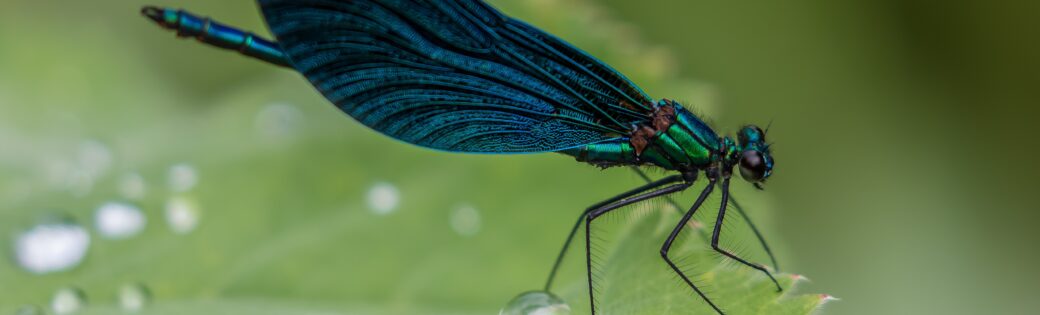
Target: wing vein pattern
(454,75)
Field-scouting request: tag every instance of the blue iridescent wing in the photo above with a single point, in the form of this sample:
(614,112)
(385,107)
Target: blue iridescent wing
(454,75)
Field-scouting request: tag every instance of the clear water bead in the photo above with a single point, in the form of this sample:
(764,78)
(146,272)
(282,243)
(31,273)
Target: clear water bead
(57,245)
(465,220)
(134,297)
(117,220)
(94,158)
(132,186)
(29,310)
(278,121)
(383,198)
(182,214)
(68,300)
(536,303)
(183,177)
(77,172)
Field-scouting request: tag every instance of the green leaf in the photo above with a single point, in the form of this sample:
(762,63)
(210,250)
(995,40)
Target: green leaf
(634,279)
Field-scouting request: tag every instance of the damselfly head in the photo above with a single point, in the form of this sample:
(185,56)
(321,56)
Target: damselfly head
(756,162)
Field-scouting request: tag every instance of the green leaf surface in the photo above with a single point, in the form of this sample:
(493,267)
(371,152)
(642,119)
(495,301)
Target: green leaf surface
(632,278)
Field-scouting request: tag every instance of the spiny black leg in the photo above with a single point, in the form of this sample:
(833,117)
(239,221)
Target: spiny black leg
(648,180)
(610,207)
(701,231)
(761,240)
(718,230)
(633,192)
(675,232)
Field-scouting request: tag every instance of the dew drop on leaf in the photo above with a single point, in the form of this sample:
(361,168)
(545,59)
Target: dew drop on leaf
(183,177)
(536,303)
(383,198)
(278,121)
(29,310)
(465,220)
(68,300)
(132,186)
(182,214)
(134,297)
(56,245)
(117,220)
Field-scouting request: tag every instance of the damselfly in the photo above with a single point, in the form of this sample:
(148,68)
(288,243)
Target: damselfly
(460,76)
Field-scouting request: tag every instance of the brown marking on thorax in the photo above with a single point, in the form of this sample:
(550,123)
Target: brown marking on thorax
(640,138)
(662,118)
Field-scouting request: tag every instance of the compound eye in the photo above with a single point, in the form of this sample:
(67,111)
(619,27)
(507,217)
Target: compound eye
(752,166)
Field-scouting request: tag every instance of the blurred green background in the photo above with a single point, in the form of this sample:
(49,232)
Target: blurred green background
(903,181)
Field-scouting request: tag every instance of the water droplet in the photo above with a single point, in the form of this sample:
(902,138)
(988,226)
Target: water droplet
(182,214)
(278,121)
(56,171)
(79,182)
(132,186)
(383,198)
(465,220)
(68,300)
(116,220)
(53,246)
(536,303)
(94,158)
(134,297)
(29,310)
(183,177)
(78,170)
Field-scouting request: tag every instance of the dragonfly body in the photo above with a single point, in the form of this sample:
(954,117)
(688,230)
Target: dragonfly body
(459,76)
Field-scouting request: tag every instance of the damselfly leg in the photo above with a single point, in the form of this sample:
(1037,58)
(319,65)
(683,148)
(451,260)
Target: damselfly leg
(736,205)
(647,192)
(635,191)
(718,230)
(671,201)
(761,239)
(667,247)
(591,217)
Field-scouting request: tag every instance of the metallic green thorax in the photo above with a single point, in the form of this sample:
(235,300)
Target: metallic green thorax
(686,144)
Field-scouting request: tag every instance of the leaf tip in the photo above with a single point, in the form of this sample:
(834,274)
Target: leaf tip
(799,278)
(824,298)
